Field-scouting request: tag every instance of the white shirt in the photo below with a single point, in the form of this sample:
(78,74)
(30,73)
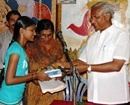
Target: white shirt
(111,87)
(5,39)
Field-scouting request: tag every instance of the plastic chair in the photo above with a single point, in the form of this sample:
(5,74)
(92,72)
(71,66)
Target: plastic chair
(81,87)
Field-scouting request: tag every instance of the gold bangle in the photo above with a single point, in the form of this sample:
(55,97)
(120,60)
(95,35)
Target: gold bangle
(33,76)
(36,76)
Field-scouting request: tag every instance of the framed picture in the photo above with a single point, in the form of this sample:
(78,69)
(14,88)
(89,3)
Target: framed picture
(67,1)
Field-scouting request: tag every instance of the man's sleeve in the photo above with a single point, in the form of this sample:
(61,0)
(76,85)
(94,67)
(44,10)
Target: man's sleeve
(122,50)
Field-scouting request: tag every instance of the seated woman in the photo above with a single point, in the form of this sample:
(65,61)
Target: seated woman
(43,52)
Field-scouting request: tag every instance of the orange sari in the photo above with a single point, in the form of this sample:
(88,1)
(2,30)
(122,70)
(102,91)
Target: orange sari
(39,57)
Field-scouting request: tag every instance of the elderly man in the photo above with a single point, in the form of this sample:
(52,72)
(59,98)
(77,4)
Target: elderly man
(106,58)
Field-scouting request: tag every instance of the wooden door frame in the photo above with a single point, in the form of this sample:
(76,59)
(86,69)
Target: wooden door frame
(56,15)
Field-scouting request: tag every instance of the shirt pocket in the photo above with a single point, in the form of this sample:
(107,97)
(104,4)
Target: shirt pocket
(107,53)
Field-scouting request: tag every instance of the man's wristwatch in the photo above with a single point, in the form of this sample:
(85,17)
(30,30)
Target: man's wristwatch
(89,68)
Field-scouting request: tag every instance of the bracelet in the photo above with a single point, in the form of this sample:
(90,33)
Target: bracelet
(36,76)
(33,76)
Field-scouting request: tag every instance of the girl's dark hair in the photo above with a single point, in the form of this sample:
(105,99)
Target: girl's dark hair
(45,24)
(22,22)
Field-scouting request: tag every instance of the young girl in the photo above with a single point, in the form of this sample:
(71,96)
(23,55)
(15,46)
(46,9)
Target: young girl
(16,64)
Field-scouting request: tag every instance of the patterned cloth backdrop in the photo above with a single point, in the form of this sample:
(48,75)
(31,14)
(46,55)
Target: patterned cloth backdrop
(75,25)
(36,9)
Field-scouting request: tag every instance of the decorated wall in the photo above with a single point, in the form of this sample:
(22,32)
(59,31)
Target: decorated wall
(36,9)
(75,20)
